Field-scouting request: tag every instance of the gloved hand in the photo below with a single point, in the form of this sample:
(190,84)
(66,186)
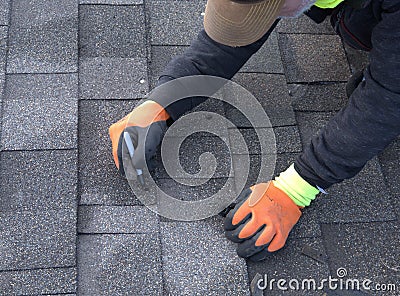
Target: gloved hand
(261,221)
(150,118)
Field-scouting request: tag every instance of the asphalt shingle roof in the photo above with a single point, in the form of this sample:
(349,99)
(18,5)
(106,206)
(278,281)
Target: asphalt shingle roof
(70,225)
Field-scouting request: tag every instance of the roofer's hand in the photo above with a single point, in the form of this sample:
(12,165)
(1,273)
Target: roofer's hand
(146,125)
(261,221)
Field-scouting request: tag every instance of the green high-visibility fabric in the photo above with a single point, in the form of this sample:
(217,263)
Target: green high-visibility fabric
(298,189)
(327,3)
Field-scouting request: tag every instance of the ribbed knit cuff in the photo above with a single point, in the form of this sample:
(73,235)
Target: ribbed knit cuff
(299,190)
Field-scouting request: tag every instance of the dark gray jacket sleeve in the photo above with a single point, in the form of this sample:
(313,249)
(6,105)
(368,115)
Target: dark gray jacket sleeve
(205,57)
(370,121)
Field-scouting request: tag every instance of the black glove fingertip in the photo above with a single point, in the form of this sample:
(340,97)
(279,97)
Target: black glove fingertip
(233,235)
(248,247)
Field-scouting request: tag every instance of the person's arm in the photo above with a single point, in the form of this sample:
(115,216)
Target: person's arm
(205,57)
(369,122)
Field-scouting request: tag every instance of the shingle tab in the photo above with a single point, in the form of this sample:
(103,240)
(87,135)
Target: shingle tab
(304,24)
(3,48)
(2,81)
(364,198)
(37,238)
(38,282)
(289,263)
(112,31)
(310,58)
(272,93)
(389,160)
(112,2)
(202,261)
(189,154)
(99,179)
(160,57)
(40,112)
(175,22)
(310,123)
(358,59)
(113,78)
(366,251)
(43,37)
(119,264)
(116,219)
(286,139)
(33,180)
(178,190)
(4,12)
(267,59)
(318,97)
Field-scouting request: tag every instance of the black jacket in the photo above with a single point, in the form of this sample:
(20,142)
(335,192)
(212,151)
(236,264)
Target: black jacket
(359,131)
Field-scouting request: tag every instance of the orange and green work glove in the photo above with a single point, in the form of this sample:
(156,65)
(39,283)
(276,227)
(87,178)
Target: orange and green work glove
(146,125)
(265,213)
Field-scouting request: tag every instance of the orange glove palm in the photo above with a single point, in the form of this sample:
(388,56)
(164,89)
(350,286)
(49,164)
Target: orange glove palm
(261,221)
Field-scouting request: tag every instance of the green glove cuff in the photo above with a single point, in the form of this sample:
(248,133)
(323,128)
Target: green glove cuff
(298,189)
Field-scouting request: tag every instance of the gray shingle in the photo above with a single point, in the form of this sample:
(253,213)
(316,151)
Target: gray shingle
(123,264)
(389,160)
(310,123)
(366,251)
(175,22)
(358,59)
(43,37)
(40,112)
(113,78)
(112,2)
(3,47)
(289,263)
(178,190)
(37,238)
(191,149)
(4,12)
(33,180)
(106,219)
(309,224)
(202,261)
(286,139)
(267,59)
(211,105)
(318,97)
(40,281)
(364,198)
(309,58)
(160,56)
(252,141)
(112,31)
(304,24)
(2,81)
(272,93)
(99,179)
